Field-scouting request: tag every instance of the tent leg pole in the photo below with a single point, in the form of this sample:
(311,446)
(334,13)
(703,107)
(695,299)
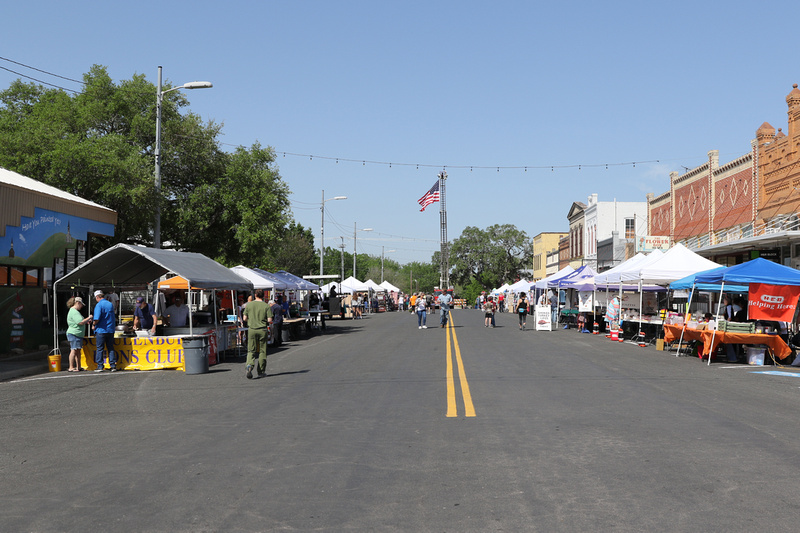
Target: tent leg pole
(691,295)
(713,335)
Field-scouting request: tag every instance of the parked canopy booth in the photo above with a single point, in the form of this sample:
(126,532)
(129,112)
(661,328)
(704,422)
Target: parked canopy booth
(127,267)
(659,270)
(773,290)
(348,287)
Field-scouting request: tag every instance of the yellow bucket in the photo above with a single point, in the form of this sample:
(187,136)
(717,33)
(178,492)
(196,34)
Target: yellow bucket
(55,362)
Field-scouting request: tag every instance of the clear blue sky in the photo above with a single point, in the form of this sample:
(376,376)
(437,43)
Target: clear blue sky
(482,84)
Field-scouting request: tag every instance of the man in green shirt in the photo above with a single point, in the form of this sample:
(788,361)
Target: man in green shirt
(257,314)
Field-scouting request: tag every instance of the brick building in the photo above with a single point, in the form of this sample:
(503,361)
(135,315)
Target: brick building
(742,209)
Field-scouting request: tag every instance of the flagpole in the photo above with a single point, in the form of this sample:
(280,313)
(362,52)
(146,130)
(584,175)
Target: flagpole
(444,266)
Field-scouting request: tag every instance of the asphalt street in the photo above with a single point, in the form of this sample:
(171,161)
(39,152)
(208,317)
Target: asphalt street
(377,425)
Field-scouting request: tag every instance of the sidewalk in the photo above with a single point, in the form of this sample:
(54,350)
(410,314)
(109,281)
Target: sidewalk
(28,364)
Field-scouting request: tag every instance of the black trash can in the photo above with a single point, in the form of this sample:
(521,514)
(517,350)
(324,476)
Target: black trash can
(195,354)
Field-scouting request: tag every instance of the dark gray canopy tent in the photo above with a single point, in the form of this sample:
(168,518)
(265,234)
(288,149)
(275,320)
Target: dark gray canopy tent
(125,266)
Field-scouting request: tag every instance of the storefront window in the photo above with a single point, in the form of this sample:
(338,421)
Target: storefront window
(630,228)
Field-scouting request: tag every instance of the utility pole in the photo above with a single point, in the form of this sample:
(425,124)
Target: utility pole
(355,236)
(342,247)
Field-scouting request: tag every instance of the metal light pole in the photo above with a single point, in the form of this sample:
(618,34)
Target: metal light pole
(382,255)
(159,100)
(322,229)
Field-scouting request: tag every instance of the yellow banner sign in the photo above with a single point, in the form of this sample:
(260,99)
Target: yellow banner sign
(138,353)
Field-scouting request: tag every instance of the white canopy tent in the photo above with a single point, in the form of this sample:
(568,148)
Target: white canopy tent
(351,285)
(258,280)
(543,283)
(389,287)
(374,286)
(300,283)
(583,275)
(520,286)
(278,283)
(633,272)
(502,288)
(611,276)
(677,263)
(326,289)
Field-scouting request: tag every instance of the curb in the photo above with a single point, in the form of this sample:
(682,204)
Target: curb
(29,364)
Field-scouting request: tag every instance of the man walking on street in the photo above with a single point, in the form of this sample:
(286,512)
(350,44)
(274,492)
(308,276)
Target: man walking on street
(256,315)
(444,305)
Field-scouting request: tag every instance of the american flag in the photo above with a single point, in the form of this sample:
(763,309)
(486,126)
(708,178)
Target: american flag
(430,196)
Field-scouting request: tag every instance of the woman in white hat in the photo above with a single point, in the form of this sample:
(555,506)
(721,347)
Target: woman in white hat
(75,331)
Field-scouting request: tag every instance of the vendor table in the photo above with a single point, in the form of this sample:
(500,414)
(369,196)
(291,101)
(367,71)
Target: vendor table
(569,317)
(294,327)
(318,317)
(672,333)
(778,346)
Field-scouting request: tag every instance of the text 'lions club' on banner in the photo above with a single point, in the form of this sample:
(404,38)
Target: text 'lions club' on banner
(772,302)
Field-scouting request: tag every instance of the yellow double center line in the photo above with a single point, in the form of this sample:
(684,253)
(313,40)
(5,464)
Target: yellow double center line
(452,409)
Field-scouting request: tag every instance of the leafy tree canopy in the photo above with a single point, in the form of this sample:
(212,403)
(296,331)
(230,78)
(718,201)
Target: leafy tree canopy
(99,145)
(491,256)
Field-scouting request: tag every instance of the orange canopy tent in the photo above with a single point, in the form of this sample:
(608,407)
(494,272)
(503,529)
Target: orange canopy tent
(175,282)
(180,283)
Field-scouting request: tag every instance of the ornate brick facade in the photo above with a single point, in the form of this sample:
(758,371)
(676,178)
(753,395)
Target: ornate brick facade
(706,204)
(733,194)
(779,171)
(660,214)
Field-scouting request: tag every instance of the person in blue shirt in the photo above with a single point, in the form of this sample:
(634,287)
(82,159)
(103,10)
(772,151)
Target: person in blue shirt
(445,299)
(144,316)
(104,323)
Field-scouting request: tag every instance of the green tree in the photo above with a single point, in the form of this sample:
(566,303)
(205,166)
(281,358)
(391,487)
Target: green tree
(100,145)
(490,257)
(294,252)
(417,276)
(235,217)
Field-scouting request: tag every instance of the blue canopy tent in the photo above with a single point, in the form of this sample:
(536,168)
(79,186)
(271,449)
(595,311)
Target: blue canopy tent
(758,270)
(690,282)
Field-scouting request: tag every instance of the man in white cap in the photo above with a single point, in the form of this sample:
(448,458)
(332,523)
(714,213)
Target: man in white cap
(104,323)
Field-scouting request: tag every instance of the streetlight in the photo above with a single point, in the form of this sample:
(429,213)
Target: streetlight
(355,233)
(159,99)
(322,229)
(382,254)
